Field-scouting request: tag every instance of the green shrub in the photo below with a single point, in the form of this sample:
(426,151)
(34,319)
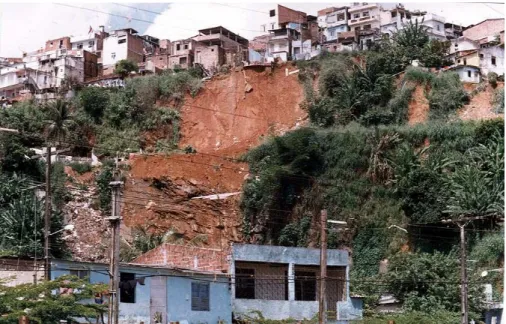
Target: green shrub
(125,67)
(492,79)
(498,101)
(419,75)
(447,95)
(94,101)
(104,190)
(426,317)
(81,168)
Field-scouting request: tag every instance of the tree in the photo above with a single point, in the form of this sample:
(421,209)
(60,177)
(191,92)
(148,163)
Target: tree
(424,281)
(59,119)
(413,36)
(94,101)
(124,67)
(42,305)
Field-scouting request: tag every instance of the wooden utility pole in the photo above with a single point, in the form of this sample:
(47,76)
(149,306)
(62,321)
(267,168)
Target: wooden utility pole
(47,215)
(463,273)
(322,318)
(115,221)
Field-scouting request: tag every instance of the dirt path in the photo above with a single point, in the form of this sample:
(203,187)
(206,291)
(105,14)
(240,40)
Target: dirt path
(418,106)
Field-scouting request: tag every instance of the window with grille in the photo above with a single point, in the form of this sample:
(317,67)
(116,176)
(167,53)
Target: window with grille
(245,283)
(305,285)
(81,274)
(200,296)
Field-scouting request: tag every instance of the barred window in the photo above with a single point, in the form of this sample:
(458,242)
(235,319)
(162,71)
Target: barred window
(200,296)
(305,285)
(245,283)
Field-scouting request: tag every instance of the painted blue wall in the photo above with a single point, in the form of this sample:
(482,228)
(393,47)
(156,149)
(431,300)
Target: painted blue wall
(138,311)
(178,293)
(179,302)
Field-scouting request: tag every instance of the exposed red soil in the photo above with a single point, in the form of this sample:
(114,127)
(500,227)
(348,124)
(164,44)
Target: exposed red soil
(225,118)
(480,106)
(418,106)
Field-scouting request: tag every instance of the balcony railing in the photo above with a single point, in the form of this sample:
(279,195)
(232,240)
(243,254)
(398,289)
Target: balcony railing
(363,20)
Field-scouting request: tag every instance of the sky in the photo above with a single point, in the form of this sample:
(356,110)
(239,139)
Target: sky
(26,27)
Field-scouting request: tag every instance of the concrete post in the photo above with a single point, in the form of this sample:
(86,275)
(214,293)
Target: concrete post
(232,274)
(291,281)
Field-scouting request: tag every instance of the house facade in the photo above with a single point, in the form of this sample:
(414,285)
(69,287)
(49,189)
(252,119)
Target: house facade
(122,44)
(282,282)
(146,291)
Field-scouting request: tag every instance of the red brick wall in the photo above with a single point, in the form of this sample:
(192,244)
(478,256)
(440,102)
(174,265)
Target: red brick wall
(90,65)
(135,48)
(486,28)
(286,15)
(160,61)
(186,257)
(54,44)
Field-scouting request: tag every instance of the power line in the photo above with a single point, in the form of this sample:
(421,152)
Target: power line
(484,3)
(253,10)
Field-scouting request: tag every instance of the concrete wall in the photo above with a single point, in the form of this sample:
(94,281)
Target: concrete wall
(462,45)
(179,301)
(113,51)
(486,61)
(472,60)
(277,309)
(282,254)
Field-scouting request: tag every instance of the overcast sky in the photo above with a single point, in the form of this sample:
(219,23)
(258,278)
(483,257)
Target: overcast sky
(26,27)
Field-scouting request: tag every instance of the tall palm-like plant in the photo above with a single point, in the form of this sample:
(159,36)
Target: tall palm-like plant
(60,120)
(413,35)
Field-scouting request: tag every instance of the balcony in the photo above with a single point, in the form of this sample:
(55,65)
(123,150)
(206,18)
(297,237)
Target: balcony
(363,7)
(363,20)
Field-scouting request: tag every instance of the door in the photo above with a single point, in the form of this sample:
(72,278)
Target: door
(158,300)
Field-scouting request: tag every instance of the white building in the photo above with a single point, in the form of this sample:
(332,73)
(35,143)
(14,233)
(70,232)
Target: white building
(121,44)
(492,60)
(435,25)
(336,22)
(364,16)
(463,44)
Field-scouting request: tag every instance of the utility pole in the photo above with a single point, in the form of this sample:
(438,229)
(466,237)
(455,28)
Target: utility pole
(463,273)
(47,214)
(322,318)
(115,221)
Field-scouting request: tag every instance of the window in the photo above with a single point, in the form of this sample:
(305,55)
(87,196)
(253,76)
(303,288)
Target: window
(113,55)
(182,60)
(458,61)
(91,43)
(161,58)
(51,43)
(200,296)
(212,49)
(61,43)
(245,283)
(178,47)
(332,33)
(493,60)
(394,14)
(127,287)
(79,46)
(438,27)
(367,27)
(365,14)
(305,286)
(340,17)
(185,46)
(357,28)
(481,56)
(122,41)
(356,16)
(272,13)
(465,61)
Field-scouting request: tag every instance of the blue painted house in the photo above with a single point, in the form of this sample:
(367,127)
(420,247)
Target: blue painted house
(179,296)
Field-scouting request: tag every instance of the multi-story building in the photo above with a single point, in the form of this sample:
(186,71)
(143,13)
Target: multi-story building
(122,44)
(92,42)
(217,46)
(182,53)
(293,34)
(364,16)
(336,22)
(322,16)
